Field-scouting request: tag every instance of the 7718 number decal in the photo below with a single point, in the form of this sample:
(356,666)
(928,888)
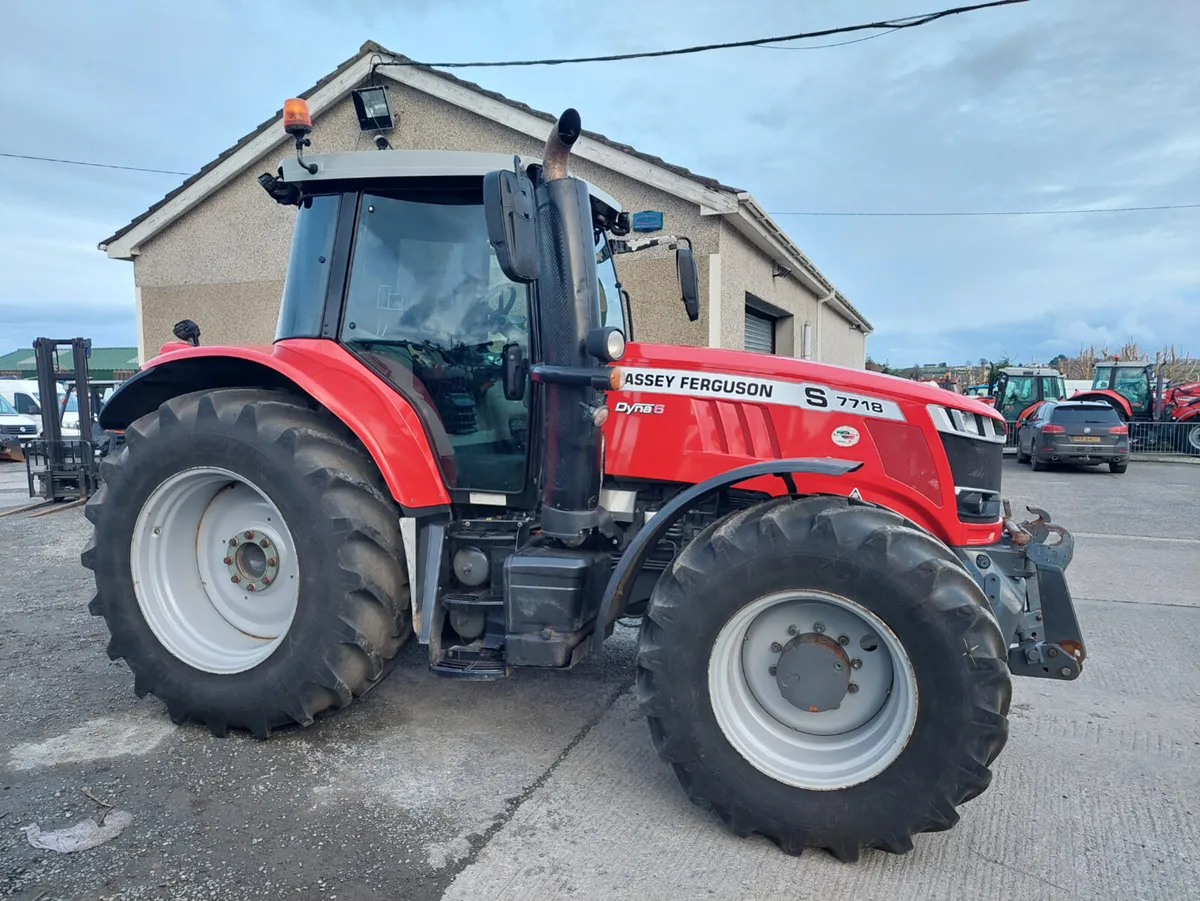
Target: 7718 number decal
(819,397)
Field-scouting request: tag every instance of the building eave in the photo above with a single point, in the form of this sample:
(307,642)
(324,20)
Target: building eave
(756,224)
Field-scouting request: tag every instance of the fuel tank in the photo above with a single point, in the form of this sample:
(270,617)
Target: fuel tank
(684,414)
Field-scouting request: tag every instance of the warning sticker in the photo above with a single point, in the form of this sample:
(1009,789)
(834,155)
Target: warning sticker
(807,395)
(845,436)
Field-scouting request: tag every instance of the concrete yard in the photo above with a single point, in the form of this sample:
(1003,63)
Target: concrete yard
(546,785)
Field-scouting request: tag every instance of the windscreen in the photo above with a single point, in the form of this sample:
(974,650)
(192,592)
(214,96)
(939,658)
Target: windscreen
(1099,415)
(7,409)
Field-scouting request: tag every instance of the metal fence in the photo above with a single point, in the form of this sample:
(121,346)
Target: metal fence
(1147,439)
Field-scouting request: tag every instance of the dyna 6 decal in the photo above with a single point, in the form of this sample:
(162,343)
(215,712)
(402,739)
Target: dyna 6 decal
(721,386)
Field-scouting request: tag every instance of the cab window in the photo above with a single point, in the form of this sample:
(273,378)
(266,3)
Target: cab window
(612,309)
(428,307)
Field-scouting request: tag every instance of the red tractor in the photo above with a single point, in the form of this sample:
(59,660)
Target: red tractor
(450,438)
(1170,413)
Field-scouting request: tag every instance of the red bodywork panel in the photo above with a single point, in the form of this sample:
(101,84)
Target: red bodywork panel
(680,435)
(382,419)
(1109,396)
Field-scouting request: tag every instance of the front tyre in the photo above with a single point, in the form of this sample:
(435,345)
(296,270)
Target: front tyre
(824,674)
(247,561)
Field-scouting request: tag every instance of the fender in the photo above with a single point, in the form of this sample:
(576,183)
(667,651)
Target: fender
(382,419)
(1122,405)
(1027,413)
(643,543)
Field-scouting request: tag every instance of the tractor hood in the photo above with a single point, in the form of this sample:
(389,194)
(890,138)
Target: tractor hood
(786,369)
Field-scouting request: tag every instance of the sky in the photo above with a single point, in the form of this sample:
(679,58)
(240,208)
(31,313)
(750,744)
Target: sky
(1049,104)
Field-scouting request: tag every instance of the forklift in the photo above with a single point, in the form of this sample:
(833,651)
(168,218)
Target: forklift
(62,472)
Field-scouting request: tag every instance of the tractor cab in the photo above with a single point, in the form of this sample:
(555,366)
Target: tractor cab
(1131,380)
(1019,389)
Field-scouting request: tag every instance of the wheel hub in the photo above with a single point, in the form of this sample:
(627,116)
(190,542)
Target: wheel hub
(252,559)
(813,673)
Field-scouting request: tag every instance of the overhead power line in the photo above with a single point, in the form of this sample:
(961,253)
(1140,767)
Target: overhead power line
(891,24)
(50,159)
(1099,209)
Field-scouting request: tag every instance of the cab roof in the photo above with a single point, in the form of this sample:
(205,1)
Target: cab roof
(412,164)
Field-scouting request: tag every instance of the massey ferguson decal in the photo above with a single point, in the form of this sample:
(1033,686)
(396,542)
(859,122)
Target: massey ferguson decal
(652,409)
(807,395)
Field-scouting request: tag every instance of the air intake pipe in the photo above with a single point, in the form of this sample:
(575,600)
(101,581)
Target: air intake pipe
(568,308)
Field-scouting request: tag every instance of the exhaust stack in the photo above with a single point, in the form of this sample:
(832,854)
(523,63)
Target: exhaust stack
(559,144)
(568,309)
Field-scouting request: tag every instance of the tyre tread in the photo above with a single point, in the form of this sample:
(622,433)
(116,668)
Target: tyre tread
(879,538)
(375,603)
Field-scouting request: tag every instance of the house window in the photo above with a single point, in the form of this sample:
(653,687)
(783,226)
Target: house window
(760,332)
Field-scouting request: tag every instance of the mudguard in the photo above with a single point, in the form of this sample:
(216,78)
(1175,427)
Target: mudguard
(382,419)
(1108,396)
(643,543)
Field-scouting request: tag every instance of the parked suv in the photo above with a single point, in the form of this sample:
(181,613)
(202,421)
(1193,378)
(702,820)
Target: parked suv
(1073,431)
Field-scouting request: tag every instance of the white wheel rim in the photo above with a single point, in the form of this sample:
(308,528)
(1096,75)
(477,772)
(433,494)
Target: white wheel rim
(185,589)
(1194,437)
(824,751)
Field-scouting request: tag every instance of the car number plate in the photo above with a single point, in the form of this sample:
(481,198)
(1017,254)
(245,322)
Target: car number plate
(1088,439)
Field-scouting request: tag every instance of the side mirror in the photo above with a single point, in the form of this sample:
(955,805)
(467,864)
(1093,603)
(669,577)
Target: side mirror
(514,372)
(511,214)
(689,281)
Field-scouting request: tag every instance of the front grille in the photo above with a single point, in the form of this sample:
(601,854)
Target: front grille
(974,447)
(17,430)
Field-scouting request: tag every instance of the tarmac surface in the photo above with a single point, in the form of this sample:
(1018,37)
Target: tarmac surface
(545,785)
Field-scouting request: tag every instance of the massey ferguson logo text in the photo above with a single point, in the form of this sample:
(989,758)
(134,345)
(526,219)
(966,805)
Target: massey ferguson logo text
(698,383)
(626,407)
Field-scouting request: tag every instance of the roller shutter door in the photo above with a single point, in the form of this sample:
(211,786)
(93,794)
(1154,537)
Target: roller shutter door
(760,332)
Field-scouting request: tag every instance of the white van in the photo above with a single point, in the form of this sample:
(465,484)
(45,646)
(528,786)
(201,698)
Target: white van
(13,427)
(22,395)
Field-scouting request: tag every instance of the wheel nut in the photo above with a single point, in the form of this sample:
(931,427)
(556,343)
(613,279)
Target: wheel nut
(771,671)
(264,543)
(250,587)
(776,647)
(856,663)
(271,561)
(235,579)
(852,688)
(248,534)
(818,627)
(793,630)
(228,560)
(843,640)
(233,542)
(266,580)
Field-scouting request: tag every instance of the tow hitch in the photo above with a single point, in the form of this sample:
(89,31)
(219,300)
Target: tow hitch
(1023,578)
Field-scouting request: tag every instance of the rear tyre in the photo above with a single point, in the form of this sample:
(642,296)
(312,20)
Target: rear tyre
(1022,457)
(1118,467)
(868,768)
(248,561)
(1038,465)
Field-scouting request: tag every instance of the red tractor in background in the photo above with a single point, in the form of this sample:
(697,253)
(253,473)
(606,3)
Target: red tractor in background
(1157,413)
(451,439)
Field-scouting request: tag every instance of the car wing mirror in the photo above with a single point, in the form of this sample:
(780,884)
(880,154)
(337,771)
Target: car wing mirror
(511,213)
